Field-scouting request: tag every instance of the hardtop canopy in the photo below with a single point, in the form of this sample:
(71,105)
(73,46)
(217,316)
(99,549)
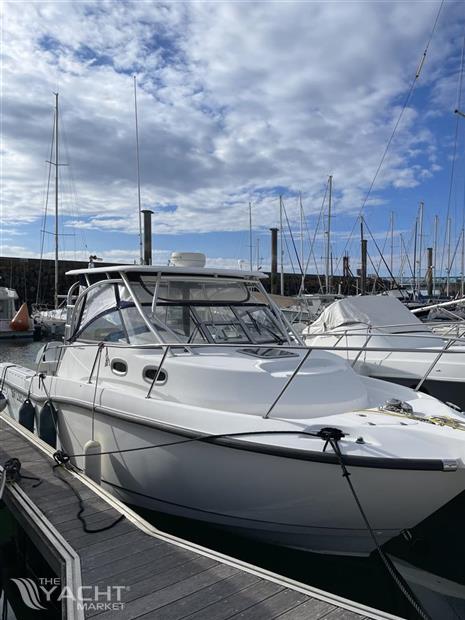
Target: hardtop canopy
(165,270)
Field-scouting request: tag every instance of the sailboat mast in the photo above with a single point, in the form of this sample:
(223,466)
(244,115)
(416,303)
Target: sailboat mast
(141,256)
(250,238)
(435,249)
(462,267)
(414,283)
(448,257)
(281,242)
(328,238)
(55,296)
(391,266)
(401,269)
(302,284)
(420,250)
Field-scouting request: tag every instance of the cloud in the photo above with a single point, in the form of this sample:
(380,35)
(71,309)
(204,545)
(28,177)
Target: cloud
(235,100)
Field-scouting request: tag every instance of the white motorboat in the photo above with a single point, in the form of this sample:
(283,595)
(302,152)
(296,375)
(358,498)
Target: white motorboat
(13,323)
(50,321)
(383,339)
(206,405)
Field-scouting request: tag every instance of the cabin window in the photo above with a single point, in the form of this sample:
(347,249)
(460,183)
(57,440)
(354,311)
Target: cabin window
(98,300)
(106,313)
(195,291)
(94,304)
(221,324)
(136,328)
(119,366)
(106,328)
(150,372)
(259,323)
(180,320)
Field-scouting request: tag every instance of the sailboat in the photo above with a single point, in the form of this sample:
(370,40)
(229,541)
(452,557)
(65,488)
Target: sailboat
(51,321)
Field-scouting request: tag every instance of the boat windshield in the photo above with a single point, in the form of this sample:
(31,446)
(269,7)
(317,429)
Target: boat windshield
(194,310)
(210,311)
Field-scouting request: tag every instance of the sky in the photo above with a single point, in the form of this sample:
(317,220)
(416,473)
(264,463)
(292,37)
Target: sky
(238,103)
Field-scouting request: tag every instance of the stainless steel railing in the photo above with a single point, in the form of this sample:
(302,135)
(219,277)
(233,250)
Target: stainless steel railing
(165,349)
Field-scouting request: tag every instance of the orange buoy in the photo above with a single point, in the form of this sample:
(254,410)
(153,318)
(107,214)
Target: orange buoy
(21,321)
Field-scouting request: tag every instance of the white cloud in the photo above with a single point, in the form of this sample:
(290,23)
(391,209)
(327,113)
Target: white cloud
(235,99)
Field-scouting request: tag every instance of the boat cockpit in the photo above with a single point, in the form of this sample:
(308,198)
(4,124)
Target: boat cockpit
(137,306)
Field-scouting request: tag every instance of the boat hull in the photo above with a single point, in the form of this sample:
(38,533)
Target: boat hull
(286,501)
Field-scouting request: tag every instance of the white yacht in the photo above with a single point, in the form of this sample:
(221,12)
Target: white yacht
(384,339)
(50,321)
(206,405)
(13,323)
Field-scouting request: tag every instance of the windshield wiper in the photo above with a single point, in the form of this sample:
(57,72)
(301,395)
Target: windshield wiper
(270,331)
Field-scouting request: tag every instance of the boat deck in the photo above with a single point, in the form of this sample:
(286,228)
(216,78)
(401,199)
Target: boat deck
(161,576)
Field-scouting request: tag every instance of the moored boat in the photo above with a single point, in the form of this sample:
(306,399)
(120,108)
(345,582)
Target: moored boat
(206,404)
(14,323)
(383,339)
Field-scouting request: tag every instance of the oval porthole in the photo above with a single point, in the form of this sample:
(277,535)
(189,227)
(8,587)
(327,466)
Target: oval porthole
(119,367)
(150,373)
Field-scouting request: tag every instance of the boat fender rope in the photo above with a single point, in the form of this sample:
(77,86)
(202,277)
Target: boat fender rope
(333,440)
(12,469)
(50,402)
(61,460)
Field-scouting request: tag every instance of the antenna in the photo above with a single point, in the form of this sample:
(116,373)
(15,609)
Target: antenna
(138,171)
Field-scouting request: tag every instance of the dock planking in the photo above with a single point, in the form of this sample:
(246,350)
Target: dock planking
(161,577)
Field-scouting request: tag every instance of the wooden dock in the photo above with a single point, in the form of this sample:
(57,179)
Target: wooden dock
(135,570)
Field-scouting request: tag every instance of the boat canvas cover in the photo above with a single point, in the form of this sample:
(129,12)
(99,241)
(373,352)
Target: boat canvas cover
(383,311)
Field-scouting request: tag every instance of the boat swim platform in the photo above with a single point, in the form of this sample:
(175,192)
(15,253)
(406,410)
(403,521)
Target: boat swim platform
(140,571)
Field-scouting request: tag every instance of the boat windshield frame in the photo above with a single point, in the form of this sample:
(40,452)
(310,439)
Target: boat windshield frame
(252,320)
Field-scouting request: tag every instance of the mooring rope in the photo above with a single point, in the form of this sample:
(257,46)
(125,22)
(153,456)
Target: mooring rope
(332,437)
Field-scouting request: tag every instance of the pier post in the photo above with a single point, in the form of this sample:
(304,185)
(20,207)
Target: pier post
(429,272)
(147,236)
(274,260)
(363,270)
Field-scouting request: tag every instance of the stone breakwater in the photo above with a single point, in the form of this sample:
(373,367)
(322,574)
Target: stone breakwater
(34,279)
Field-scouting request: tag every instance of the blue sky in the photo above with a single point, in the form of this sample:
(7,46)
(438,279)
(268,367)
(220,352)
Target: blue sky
(238,102)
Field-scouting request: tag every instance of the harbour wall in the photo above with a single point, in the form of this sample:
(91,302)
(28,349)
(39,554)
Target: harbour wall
(33,279)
